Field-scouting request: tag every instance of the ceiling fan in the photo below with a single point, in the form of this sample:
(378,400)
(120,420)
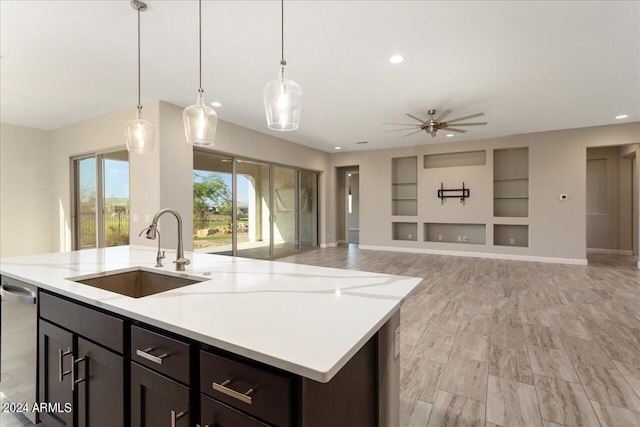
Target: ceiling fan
(432,126)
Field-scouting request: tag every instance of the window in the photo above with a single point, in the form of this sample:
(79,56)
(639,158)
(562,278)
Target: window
(100,198)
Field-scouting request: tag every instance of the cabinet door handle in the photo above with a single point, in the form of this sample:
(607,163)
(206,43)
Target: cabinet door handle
(175,417)
(73,373)
(61,355)
(243,397)
(146,355)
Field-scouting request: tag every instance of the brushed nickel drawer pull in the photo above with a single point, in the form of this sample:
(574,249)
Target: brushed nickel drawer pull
(61,355)
(243,397)
(146,355)
(175,417)
(73,373)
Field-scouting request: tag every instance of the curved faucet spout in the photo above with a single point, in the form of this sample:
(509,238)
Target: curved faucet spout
(180,261)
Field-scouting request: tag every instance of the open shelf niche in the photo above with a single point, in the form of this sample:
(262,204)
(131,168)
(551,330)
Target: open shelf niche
(404,231)
(511,182)
(511,235)
(471,234)
(404,186)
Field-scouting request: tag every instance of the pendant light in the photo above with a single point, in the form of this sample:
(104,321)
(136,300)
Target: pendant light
(282,97)
(200,120)
(139,133)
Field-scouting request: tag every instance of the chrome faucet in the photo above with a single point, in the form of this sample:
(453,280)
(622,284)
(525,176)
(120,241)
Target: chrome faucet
(180,261)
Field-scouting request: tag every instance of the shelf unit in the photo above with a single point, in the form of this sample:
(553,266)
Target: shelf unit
(404,186)
(511,235)
(407,231)
(469,234)
(511,182)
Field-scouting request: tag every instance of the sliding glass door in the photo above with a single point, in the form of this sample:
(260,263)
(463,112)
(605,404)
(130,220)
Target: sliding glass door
(253,211)
(285,198)
(101,200)
(274,208)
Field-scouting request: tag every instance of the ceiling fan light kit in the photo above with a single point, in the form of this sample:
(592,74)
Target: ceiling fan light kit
(433,125)
(200,120)
(282,97)
(139,134)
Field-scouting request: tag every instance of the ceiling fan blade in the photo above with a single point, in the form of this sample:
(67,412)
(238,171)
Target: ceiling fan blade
(470,124)
(466,117)
(455,130)
(442,115)
(396,130)
(414,117)
(409,134)
(401,124)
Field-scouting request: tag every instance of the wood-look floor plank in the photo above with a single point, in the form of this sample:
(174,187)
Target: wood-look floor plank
(608,386)
(452,410)
(510,403)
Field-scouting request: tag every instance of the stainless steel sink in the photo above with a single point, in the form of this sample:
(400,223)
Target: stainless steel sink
(136,283)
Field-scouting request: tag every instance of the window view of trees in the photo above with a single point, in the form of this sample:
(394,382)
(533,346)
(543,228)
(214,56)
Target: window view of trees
(212,205)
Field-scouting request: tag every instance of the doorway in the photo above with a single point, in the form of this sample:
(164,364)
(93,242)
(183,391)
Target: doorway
(348,204)
(612,204)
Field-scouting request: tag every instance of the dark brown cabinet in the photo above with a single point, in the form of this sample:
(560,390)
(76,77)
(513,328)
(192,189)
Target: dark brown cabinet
(81,382)
(54,360)
(217,414)
(100,387)
(157,401)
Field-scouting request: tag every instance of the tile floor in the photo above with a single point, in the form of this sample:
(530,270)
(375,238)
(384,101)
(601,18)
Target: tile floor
(507,343)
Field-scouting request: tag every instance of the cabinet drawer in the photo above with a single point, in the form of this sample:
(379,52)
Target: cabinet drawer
(255,391)
(216,414)
(160,353)
(92,324)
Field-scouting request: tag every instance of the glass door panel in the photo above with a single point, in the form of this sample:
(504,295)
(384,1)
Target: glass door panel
(285,210)
(213,230)
(116,198)
(86,204)
(252,212)
(308,209)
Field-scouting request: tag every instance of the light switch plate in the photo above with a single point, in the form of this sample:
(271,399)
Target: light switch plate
(396,342)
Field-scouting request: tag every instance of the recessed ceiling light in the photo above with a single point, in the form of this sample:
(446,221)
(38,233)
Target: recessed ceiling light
(338,148)
(216,104)
(396,59)
(449,135)
(622,116)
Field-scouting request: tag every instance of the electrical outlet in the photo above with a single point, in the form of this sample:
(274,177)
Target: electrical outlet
(396,342)
(135,218)
(439,236)
(464,238)
(512,241)
(459,238)
(147,218)
(410,236)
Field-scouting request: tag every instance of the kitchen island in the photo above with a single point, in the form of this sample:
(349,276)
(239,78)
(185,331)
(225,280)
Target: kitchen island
(307,327)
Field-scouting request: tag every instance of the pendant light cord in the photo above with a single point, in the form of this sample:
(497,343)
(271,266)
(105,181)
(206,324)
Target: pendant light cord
(282,61)
(139,105)
(200,42)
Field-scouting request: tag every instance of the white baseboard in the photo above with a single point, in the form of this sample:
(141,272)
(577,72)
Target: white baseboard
(609,251)
(638,264)
(490,255)
(328,245)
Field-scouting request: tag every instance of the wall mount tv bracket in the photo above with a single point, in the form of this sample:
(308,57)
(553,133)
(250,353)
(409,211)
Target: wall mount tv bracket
(448,193)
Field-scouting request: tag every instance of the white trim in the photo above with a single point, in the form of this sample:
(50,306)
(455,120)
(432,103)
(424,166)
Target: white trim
(638,265)
(609,251)
(490,255)
(328,245)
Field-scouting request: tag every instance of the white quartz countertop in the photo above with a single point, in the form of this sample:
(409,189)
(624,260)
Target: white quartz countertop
(302,319)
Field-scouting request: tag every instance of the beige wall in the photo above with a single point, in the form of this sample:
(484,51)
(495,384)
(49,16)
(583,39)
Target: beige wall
(25,206)
(557,165)
(157,180)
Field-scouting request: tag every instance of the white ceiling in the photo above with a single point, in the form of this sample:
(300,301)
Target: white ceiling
(530,66)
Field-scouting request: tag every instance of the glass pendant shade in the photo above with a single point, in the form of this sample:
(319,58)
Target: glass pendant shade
(200,122)
(283,103)
(140,135)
